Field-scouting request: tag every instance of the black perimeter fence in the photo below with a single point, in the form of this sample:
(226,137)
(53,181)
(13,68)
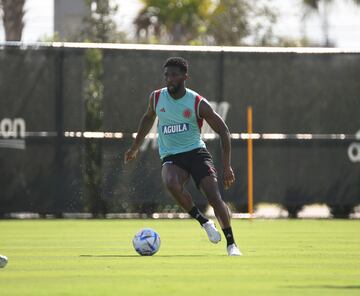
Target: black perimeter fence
(306,110)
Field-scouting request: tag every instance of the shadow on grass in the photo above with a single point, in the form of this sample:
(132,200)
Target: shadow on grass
(339,287)
(129,256)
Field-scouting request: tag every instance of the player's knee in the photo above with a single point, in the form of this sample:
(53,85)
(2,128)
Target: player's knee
(173,185)
(215,200)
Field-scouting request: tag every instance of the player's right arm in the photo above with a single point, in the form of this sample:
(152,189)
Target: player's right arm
(145,125)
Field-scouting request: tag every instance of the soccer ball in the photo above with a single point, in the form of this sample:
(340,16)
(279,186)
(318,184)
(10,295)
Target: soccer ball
(3,261)
(146,242)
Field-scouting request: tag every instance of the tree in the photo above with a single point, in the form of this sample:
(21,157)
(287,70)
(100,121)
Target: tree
(99,25)
(13,15)
(222,22)
(172,21)
(233,21)
(321,7)
(99,28)
(229,24)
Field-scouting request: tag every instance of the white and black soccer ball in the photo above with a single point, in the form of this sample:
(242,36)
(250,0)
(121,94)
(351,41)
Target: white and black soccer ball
(146,242)
(3,261)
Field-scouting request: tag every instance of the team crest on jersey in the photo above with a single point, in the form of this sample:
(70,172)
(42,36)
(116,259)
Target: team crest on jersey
(187,113)
(175,128)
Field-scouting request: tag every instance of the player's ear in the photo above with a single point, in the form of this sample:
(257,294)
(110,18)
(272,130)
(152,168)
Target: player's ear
(186,76)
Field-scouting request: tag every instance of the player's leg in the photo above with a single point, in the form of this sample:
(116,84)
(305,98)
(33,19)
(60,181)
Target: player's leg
(204,174)
(174,179)
(209,187)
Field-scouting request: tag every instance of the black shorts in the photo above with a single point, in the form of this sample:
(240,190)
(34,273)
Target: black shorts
(198,163)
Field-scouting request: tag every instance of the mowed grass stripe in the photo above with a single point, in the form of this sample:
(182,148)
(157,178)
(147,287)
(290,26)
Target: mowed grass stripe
(95,257)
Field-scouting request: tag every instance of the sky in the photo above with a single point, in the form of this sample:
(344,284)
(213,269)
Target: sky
(343,18)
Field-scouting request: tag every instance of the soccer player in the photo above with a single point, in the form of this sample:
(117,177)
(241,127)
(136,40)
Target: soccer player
(181,112)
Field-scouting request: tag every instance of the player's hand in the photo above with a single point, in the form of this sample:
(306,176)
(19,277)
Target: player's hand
(229,177)
(130,155)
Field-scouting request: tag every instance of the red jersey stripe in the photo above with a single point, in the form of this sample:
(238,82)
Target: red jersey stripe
(199,120)
(157,96)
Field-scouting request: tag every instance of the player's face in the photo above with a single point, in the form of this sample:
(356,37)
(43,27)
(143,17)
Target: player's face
(174,79)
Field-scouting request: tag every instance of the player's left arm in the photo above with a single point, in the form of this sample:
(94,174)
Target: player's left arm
(219,126)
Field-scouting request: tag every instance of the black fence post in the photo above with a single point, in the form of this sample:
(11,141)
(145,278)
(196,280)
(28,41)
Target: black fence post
(58,205)
(220,78)
(219,96)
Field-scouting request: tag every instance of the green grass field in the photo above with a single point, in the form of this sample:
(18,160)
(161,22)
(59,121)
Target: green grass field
(95,257)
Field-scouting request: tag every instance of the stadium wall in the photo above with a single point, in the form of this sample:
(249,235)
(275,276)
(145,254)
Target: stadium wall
(306,110)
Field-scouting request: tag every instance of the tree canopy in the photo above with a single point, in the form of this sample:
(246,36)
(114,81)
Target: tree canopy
(315,6)
(222,22)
